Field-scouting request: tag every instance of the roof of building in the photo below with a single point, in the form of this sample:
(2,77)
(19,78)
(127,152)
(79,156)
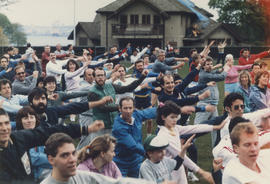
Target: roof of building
(162,5)
(97,18)
(204,12)
(91,29)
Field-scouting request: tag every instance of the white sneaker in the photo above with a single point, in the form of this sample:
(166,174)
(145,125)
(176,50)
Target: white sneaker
(192,177)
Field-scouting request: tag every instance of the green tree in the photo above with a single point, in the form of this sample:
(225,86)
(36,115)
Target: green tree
(3,38)
(247,15)
(5,23)
(17,37)
(14,32)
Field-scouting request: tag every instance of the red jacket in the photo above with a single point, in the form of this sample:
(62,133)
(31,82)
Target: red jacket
(44,60)
(251,58)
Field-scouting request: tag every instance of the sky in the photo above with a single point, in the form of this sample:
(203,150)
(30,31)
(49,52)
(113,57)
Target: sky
(61,12)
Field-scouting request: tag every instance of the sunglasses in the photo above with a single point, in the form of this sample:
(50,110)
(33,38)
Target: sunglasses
(20,73)
(236,107)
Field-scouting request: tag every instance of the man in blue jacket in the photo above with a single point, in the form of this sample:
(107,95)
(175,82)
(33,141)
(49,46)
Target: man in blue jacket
(127,128)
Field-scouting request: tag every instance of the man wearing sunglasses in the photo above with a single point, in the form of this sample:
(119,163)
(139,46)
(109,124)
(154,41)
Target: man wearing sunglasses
(234,105)
(23,85)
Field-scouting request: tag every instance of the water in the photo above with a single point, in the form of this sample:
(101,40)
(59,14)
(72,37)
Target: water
(48,40)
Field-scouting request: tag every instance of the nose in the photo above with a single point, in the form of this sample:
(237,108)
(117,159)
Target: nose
(164,152)
(73,158)
(253,147)
(4,128)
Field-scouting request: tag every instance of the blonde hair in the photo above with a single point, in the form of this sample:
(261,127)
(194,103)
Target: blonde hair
(244,72)
(228,56)
(248,128)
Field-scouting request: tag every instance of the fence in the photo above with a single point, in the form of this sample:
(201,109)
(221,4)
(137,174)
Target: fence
(78,50)
(235,51)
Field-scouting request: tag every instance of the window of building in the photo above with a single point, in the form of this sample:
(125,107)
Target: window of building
(83,41)
(145,19)
(134,19)
(123,19)
(157,19)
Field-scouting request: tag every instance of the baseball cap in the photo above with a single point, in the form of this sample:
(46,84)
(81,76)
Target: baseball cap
(154,142)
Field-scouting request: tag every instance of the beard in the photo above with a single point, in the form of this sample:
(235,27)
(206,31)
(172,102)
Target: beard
(100,82)
(40,108)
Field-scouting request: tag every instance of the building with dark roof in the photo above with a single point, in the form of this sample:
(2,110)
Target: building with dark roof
(154,22)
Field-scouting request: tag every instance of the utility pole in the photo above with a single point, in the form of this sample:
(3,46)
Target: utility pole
(74,22)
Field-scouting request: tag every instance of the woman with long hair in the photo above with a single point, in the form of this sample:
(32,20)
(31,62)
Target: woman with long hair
(97,157)
(27,118)
(244,88)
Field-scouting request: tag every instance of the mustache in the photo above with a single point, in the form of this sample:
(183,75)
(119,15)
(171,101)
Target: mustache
(41,105)
(39,108)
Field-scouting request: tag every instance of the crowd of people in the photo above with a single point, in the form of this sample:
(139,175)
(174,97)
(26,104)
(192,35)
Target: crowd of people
(105,100)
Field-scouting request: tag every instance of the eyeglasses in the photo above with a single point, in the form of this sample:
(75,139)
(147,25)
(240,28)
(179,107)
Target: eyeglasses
(20,73)
(236,107)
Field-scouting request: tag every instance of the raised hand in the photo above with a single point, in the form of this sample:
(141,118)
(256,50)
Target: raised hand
(107,99)
(145,72)
(185,146)
(96,126)
(187,109)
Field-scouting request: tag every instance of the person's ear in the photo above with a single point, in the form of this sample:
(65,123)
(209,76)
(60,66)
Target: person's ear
(102,154)
(51,159)
(163,117)
(235,148)
(228,109)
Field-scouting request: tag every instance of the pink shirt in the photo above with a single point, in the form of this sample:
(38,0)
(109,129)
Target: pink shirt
(109,169)
(232,75)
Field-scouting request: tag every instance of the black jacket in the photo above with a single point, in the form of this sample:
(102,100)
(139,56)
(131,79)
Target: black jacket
(11,164)
(53,113)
